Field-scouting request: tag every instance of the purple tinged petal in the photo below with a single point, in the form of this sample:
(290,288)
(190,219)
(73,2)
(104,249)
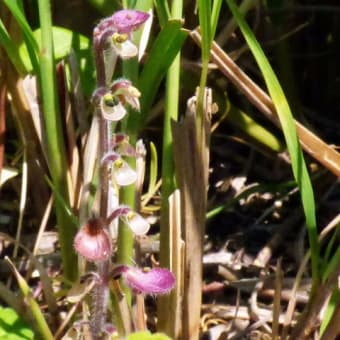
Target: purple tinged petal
(119,138)
(109,329)
(109,157)
(127,93)
(93,241)
(128,20)
(118,271)
(154,281)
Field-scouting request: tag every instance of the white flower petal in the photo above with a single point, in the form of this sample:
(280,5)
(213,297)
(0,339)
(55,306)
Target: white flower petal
(110,59)
(123,174)
(145,35)
(113,113)
(133,102)
(137,224)
(126,50)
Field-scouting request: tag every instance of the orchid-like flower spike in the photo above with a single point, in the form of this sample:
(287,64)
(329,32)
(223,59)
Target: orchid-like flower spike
(122,173)
(136,222)
(93,241)
(152,281)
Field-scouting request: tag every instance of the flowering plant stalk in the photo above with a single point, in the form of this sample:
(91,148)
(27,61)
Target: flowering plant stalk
(112,99)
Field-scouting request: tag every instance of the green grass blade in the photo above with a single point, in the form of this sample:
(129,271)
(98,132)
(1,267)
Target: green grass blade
(39,319)
(215,13)
(289,130)
(162,54)
(30,41)
(168,170)
(204,15)
(11,49)
(334,300)
(153,167)
(163,11)
(143,5)
(254,130)
(55,140)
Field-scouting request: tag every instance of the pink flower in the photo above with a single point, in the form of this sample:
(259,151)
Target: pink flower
(93,241)
(115,31)
(128,20)
(153,281)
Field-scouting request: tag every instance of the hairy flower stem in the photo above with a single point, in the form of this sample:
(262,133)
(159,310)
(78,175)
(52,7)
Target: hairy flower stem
(104,128)
(100,298)
(104,133)
(101,291)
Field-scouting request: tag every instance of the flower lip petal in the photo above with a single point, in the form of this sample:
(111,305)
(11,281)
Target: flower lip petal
(138,224)
(154,281)
(126,49)
(113,113)
(128,20)
(123,173)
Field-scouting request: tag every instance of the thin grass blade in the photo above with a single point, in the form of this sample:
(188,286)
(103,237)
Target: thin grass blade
(163,52)
(30,41)
(11,50)
(286,118)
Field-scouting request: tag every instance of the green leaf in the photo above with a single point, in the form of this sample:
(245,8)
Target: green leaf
(163,11)
(289,130)
(105,7)
(204,14)
(153,167)
(254,130)
(143,5)
(31,43)
(12,327)
(147,336)
(64,41)
(163,52)
(11,49)
(215,12)
(55,143)
(334,300)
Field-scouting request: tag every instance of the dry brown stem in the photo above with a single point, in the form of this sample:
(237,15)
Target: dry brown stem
(191,152)
(312,144)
